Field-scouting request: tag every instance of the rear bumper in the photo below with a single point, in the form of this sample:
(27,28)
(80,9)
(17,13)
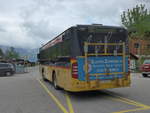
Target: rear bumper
(148,73)
(78,86)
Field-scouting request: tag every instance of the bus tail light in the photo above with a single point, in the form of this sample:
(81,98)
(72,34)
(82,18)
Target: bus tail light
(75,70)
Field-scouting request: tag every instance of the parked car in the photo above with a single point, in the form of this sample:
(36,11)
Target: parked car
(145,68)
(6,69)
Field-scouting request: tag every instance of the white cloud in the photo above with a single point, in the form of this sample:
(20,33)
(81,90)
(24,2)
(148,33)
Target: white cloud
(30,23)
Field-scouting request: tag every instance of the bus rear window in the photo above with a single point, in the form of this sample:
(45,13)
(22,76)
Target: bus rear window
(103,35)
(104,30)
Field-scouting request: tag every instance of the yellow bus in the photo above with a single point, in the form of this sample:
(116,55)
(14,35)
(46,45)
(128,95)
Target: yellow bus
(86,58)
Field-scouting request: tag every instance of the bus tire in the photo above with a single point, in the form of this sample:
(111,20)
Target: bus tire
(43,76)
(55,81)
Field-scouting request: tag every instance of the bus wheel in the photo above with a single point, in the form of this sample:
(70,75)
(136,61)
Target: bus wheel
(43,76)
(55,81)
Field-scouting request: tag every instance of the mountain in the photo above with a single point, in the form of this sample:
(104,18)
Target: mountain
(30,54)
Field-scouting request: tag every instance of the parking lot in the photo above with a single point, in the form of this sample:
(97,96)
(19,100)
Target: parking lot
(28,93)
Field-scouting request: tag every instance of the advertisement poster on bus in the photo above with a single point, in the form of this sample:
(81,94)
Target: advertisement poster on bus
(104,66)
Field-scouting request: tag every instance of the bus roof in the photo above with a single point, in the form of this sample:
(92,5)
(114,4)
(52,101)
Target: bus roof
(79,26)
(54,38)
(101,26)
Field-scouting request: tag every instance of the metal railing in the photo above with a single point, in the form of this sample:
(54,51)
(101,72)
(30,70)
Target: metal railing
(105,53)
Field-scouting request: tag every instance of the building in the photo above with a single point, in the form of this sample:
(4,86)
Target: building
(139,51)
(139,47)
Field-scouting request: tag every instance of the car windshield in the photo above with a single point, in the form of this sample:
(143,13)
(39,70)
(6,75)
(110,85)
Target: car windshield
(146,62)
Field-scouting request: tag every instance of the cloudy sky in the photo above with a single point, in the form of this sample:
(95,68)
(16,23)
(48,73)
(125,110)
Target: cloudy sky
(31,23)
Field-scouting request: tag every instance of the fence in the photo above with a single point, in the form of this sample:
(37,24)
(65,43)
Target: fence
(20,69)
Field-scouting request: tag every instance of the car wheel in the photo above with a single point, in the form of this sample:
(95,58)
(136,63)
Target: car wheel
(144,75)
(8,73)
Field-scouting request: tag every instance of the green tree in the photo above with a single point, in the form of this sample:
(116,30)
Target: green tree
(11,53)
(137,21)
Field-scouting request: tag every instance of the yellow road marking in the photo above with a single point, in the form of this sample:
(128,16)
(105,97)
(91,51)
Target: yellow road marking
(142,106)
(54,98)
(137,109)
(115,97)
(130,102)
(123,99)
(69,104)
(127,102)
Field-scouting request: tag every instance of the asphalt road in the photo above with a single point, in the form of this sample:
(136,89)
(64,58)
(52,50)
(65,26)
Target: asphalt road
(27,93)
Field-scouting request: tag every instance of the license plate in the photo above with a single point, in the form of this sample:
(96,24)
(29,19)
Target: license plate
(146,67)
